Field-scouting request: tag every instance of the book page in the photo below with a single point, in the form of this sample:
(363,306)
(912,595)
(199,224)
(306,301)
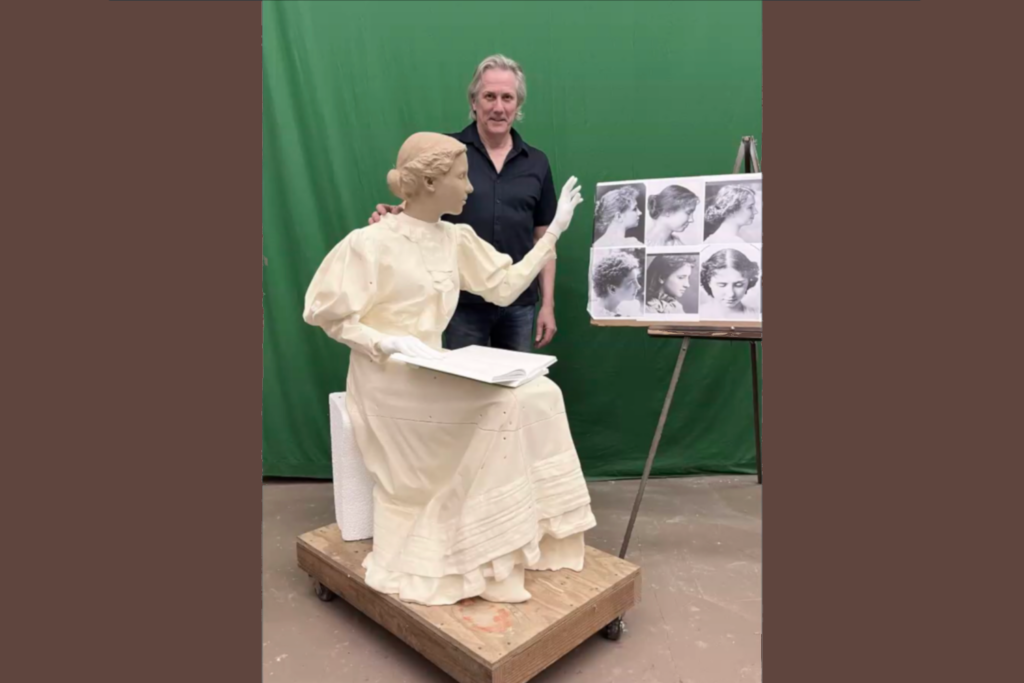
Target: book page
(499,363)
(486,364)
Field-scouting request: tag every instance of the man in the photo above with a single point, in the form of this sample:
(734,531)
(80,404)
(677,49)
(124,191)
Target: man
(512,204)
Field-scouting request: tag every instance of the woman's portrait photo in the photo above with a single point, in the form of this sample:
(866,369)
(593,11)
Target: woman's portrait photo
(730,283)
(674,215)
(732,213)
(616,283)
(619,215)
(672,284)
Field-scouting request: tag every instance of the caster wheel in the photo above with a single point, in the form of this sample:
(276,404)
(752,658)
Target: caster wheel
(322,592)
(613,631)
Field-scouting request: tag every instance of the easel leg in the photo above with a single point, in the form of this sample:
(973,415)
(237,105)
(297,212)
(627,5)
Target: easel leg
(757,408)
(654,445)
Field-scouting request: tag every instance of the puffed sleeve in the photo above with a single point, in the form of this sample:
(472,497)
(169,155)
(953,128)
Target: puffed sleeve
(485,271)
(342,291)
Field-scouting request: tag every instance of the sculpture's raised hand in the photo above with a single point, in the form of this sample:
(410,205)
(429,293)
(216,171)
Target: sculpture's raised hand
(567,203)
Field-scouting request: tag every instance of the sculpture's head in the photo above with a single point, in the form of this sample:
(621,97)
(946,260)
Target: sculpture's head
(432,170)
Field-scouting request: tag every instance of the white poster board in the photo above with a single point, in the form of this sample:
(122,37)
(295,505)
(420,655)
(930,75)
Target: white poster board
(678,249)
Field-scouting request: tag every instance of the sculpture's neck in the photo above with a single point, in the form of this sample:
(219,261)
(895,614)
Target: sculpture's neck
(424,211)
(416,221)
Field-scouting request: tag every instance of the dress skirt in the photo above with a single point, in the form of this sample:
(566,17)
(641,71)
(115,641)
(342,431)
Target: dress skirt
(475,483)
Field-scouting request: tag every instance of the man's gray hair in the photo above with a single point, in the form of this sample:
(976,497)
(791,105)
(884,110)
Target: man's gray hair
(498,62)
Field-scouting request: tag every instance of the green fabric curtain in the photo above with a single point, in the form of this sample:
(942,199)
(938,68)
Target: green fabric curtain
(616,91)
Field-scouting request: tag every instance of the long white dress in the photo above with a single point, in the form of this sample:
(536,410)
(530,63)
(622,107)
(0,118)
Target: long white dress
(475,483)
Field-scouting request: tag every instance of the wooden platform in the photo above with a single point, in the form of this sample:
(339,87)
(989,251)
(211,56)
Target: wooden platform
(478,641)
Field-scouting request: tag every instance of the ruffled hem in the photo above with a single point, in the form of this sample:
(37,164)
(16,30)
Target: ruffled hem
(558,544)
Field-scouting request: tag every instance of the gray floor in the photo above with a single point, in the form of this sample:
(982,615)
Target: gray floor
(699,544)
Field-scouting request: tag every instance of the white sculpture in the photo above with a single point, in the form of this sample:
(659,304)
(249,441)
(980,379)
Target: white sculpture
(474,483)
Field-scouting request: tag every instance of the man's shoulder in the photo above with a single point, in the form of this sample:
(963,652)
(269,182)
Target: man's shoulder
(464,135)
(537,154)
(534,152)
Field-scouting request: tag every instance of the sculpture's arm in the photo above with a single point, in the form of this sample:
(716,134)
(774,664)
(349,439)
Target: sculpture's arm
(485,271)
(342,291)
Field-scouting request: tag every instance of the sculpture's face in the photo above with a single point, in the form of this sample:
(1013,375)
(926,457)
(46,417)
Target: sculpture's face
(451,191)
(496,102)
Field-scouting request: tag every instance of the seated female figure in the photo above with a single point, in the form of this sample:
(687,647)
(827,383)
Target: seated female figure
(474,483)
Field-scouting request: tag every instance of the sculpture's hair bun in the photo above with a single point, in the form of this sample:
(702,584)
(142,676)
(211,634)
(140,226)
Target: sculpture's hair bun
(401,183)
(423,155)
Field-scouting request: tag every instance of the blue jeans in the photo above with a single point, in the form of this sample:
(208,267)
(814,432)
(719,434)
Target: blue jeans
(489,325)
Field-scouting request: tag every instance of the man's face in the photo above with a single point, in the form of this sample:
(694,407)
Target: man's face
(496,102)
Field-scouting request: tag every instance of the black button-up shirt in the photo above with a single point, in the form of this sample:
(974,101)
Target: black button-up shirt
(505,208)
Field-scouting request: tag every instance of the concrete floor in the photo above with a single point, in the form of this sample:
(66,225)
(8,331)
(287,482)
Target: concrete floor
(697,540)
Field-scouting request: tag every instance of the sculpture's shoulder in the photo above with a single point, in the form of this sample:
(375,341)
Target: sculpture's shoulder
(459,231)
(365,244)
(373,237)
(380,231)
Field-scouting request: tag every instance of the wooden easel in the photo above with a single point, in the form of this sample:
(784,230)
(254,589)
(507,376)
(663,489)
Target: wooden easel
(746,158)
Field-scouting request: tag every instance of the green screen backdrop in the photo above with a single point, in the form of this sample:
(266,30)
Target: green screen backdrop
(616,91)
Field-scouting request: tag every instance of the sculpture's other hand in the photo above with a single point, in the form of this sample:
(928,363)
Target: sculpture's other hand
(409,346)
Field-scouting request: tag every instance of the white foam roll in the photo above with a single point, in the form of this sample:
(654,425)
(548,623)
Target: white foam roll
(353,485)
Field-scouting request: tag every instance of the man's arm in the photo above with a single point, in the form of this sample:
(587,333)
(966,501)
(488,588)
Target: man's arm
(546,327)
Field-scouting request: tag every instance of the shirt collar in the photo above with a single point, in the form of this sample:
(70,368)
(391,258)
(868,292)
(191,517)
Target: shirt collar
(471,135)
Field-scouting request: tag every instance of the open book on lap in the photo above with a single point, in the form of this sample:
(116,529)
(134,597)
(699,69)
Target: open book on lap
(488,365)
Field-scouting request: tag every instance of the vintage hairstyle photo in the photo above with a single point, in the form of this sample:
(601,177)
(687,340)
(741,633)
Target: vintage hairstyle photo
(672,285)
(730,282)
(732,212)
(697,245)
(619,210)
(616,283)
(675,213)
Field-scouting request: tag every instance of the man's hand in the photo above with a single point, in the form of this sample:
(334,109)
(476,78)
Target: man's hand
(383,209)
(546,327)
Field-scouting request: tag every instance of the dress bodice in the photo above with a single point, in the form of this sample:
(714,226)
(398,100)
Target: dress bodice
(402,277)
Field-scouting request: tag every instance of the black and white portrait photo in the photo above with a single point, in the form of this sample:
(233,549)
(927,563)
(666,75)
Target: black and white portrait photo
(619,215)
(672,285)
(682,249)
(675,212)
(732,209)
(616,283)
(730,282)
